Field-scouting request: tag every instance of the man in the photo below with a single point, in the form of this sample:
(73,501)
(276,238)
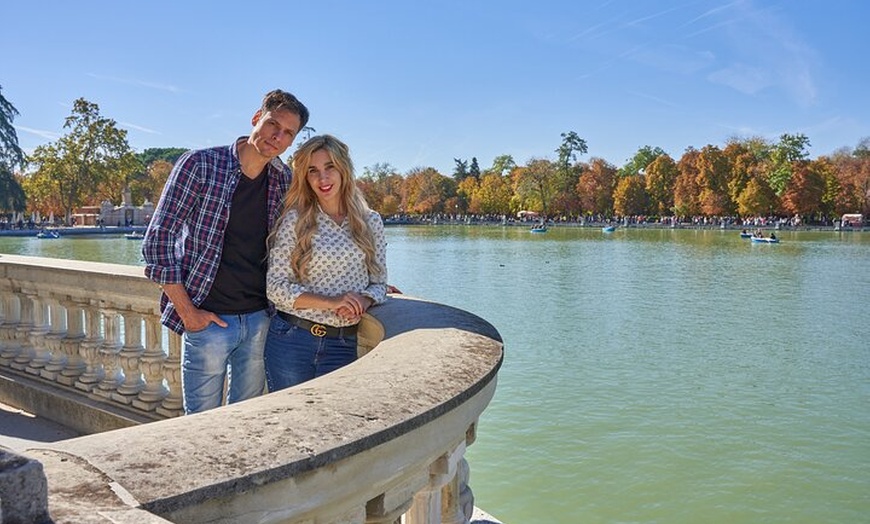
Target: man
(206,247)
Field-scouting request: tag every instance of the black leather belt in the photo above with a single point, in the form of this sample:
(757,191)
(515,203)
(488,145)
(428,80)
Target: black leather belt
(319,330)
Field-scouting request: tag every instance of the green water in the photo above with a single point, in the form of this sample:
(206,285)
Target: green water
(671,376)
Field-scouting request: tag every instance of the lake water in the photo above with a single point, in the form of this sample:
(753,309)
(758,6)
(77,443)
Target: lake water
(668,376)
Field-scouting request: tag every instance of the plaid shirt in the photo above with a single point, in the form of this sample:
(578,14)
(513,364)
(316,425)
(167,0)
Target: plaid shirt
(185,237)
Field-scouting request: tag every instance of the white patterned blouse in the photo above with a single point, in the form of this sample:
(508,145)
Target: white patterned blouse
(337,266)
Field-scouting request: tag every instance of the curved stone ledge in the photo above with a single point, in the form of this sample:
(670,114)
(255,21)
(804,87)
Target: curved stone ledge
(366,443)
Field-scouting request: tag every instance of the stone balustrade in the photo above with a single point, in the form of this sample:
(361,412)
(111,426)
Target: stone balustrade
(380,441)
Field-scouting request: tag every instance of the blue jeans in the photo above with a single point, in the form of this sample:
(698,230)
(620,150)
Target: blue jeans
(215,353)
(293,355)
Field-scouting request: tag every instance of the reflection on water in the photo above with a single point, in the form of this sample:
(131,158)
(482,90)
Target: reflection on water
(650,375)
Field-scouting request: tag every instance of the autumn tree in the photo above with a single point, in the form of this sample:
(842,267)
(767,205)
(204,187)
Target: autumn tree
(803,195)
(595,187)
(713,171)
(466,193)
(93,155)
(757,198)
(686,190)
(745,164)
(493,196)
(426,191)
(661,178)
(533,186)
(382,186)
(630,197)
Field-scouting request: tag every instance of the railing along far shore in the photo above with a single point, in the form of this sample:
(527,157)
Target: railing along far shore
(382,440)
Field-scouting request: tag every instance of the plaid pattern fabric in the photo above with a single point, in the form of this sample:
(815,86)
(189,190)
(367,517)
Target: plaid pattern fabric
(185,237)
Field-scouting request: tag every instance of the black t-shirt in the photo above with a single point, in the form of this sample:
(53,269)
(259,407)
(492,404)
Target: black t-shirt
(240,284)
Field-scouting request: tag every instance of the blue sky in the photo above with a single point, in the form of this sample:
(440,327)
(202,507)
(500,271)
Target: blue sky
(417,84)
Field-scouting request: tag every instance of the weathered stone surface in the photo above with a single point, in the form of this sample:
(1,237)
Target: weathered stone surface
(23,490)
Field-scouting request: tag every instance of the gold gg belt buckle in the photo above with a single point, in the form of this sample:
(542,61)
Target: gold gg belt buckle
(318,330)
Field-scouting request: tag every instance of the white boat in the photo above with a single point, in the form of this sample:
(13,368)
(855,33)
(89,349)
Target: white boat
(48,233)
(539,229)
(765,240)
(608,229)
(135,235)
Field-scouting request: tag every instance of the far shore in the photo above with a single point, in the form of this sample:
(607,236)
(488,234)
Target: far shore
(464,221)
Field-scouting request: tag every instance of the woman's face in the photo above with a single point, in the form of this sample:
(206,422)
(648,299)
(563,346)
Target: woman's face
(325,180)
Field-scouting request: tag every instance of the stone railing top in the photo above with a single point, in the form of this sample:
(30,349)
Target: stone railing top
(432,360)
(110,284)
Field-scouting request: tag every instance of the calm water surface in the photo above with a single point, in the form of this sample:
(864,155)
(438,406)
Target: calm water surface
(670,376)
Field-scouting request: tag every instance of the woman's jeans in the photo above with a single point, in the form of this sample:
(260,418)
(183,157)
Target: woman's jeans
(293,355)
(210,356)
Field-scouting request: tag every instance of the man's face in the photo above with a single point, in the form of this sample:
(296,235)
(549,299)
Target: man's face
(274,131)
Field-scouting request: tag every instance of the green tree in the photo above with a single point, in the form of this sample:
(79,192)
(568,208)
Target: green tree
(571,146)
(10,153)
(638,163)
(12,197)
(862,150)
(153,154)
(474,168)
(90,161)
(460,171)
(502,165)
(789,150)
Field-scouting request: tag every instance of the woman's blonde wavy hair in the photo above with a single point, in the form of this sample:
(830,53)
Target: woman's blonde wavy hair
(301,197)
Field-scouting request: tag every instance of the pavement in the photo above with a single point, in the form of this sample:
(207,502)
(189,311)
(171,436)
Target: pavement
(20,430)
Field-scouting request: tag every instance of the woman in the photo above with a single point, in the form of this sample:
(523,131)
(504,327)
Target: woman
(327,266)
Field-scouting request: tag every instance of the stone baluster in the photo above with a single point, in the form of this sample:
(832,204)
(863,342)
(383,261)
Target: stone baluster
(466,496)
(53,341)
(38,331)
(9,348)
(172,405)
(70,345)
(429,506)
(89,349)
(451,510)
(109,355)
(152,365)
(389,507)
(128,359)
(22,334)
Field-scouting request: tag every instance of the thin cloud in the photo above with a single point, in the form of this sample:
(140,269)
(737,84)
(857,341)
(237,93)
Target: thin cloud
(648,96)
(742,77)
(711,12)
(50,135)
(136,82)
(140,128)
(766,42)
